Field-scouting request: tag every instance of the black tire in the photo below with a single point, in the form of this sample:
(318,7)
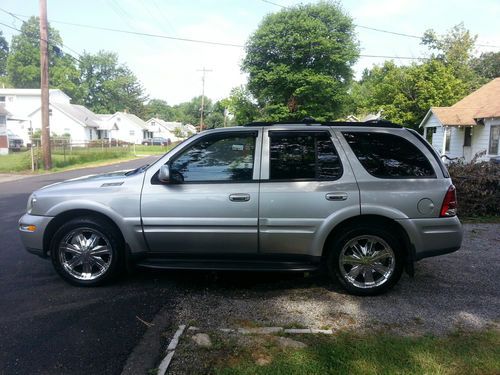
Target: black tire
(358,232)
(112,239)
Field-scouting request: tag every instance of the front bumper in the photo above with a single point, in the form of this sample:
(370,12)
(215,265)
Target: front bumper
(33,240)
(432,237)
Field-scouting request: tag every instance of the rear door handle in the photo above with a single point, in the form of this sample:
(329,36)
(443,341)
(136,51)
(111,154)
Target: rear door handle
(336,196)
(239,197)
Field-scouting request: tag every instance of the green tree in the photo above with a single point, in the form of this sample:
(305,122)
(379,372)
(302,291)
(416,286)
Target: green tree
(23,62)
(160,109)
(242,106)
(215,118)
(189,112)
(299,62)
(487,66)
(108,86)
(455,49)
(4,53)
(404,94)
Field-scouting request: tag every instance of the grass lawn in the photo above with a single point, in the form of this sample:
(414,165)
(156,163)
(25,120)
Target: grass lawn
(16,162)
(348,353)
(152,150)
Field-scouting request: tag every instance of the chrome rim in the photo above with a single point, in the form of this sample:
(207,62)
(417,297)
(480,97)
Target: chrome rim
(85,254)
(367,261)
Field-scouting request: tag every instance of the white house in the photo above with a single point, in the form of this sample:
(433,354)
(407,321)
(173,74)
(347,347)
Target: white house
(190,129)
(468,127)
(123,126)
(165,129)
(20,103)
(76,120)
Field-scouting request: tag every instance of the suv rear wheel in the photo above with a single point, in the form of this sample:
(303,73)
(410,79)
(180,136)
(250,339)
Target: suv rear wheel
(86,251)
(366,260)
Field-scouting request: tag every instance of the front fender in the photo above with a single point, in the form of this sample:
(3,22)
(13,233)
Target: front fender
(130,227)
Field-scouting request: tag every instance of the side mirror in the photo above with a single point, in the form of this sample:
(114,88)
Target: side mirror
(164,174)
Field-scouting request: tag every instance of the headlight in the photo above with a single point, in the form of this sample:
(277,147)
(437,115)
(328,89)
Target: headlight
(31,203)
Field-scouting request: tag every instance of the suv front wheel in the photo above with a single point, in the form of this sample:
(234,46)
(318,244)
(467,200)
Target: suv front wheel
(366,260)
(86,251)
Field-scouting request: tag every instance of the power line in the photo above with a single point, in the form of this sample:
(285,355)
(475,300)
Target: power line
(58,45)
(381,30)
(144,34)
(195,40)
(39,38)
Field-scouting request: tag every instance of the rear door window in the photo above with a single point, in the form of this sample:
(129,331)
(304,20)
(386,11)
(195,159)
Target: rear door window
(303,156)
(389,156)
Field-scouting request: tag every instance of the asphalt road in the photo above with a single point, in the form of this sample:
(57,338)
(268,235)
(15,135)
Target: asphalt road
(50,327)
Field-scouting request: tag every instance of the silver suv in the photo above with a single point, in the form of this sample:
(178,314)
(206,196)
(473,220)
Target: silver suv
(366,199)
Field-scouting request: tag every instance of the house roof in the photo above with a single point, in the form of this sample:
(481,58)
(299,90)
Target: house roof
(482,103)
(30,92)
(169,125)
(79,113)
(133,118)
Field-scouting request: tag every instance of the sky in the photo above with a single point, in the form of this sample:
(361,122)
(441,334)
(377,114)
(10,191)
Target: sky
(169,69)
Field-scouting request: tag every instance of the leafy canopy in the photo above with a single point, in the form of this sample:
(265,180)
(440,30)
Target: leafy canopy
(4,53)
(23,62)
(242,106)
(487,66)
(109,86)
(299,62)
(404,94)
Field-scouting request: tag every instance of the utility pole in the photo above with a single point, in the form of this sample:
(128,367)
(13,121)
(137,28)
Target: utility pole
(202,109)
(44,84)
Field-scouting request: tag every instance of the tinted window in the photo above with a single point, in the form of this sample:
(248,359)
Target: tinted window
(388,156)
(303,156)
(217,158)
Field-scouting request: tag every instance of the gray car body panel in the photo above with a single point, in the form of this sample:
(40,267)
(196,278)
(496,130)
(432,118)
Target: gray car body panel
(285,217)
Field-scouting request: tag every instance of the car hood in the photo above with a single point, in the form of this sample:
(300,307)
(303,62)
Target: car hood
(103,178)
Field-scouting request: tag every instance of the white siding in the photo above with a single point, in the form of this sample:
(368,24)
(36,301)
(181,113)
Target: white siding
(437,137)
(456,142)
(125,127)
(482,135)
(60,123)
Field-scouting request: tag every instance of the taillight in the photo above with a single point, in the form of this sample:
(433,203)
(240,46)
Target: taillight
(449,207)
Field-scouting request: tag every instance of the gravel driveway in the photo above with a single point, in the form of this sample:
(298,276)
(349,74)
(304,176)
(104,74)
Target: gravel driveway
(459,290)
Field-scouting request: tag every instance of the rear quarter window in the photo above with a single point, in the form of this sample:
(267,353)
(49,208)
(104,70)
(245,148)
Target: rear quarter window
(389,156)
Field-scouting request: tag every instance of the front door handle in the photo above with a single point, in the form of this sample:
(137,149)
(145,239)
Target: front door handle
(239,197)
(336,196)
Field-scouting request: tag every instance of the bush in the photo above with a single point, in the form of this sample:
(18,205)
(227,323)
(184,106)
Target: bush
(478,187)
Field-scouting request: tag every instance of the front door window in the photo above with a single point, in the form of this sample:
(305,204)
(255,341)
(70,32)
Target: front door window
(218,158)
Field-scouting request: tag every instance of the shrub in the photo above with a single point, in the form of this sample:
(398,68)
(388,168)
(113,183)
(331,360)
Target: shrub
(478,187)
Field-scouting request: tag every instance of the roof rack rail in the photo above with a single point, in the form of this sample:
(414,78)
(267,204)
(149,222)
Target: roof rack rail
(311,121)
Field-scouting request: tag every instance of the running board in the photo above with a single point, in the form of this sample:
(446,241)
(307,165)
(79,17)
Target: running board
(227,265)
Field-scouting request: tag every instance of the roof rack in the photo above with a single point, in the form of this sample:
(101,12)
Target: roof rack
(311,121)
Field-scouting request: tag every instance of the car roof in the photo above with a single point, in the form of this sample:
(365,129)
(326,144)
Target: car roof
(312,122)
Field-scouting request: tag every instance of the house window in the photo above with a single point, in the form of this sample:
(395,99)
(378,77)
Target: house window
(447,134)
(132,132)
(3,119)
(429,134)
(468,137)
(2,99)
(494,139)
